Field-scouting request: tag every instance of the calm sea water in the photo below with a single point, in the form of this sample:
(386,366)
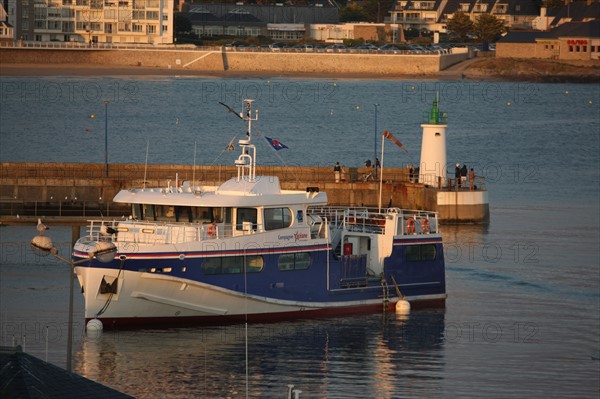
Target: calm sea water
(522,317)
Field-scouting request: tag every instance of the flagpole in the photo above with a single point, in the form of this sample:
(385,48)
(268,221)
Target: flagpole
(381,172)
(194,170)
(375,142)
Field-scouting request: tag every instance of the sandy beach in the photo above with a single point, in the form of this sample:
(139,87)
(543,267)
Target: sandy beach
(135,71)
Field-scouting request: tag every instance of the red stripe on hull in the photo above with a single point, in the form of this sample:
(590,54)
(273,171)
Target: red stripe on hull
(147,322)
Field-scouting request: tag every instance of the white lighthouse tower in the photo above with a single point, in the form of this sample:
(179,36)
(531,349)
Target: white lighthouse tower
(432,169)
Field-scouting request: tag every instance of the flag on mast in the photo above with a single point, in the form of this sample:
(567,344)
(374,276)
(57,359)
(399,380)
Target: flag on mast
(276,144)
(394,140)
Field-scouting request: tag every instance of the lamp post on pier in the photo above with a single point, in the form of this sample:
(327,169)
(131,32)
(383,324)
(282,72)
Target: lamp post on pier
(375,142)
(106,102)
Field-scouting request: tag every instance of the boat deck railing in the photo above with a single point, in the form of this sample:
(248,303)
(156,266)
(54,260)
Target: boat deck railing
(374,221)
(151,232)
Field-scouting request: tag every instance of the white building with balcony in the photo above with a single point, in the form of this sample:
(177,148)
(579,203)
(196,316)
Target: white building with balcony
(93,21)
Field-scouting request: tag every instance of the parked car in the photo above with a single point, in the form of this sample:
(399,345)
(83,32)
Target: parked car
(235,44)
(335,48)
(276,46)
(366,46)
(414,48)
(438,49)
(304,47)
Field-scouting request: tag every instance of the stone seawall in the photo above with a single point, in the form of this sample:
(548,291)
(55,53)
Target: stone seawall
(49,188)
(222,59)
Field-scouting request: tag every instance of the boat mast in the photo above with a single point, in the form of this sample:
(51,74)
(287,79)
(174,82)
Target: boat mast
(246,162)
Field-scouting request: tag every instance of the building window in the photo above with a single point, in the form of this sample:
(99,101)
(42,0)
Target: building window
(584,49)
(233,264)
(295,261)
(570,49)
(277,218)
(420,253)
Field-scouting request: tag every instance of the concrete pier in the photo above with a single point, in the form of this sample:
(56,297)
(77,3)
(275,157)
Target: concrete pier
(72,190)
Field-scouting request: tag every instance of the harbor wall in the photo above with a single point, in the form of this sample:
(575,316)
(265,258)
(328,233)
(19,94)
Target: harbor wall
(63,189)
(70,184)
(463,206)
(223,59)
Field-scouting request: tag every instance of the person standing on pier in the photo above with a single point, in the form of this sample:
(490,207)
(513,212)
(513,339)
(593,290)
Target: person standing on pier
(336,171)
(471,179)
(463,176)
(457,176)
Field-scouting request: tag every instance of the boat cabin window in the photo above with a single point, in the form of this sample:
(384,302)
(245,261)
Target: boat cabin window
(418,253)
(244,216)
(168,213)
(136,211)
(295,261)
(233,264)
(277,218)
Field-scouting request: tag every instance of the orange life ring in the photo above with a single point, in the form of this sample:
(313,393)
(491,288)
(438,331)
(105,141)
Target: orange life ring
(410,225)
(425,226)
(212,230)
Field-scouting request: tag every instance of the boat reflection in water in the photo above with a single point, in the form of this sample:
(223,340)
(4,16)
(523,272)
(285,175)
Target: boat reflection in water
(377,355)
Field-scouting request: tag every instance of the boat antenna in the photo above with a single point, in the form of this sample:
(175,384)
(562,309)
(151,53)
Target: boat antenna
(194,169)
(232,110)
(246,162)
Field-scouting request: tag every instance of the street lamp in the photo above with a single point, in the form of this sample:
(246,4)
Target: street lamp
(42,245)
(106,102)
(375,141)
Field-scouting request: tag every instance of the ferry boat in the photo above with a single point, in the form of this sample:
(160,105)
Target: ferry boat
(248,250)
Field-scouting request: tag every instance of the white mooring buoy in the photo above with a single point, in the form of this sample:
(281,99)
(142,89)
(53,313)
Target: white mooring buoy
(402,306)
(94,328)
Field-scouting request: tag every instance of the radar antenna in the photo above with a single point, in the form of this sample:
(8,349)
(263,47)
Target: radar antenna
(246,161)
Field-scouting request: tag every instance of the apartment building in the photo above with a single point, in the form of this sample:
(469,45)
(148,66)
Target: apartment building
(433,15)
(6,30)
(92,21)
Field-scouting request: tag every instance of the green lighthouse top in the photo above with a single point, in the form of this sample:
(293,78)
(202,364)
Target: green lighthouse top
(435,116)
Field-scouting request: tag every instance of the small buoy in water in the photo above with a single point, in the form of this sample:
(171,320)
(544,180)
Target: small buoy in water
(590,102)
(402,306)
(94,328)
(567,92)
(509,103)
(41,245)
(357,107)
(92,116)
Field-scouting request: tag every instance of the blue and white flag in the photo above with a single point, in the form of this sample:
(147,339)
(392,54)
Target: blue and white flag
(276,144)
